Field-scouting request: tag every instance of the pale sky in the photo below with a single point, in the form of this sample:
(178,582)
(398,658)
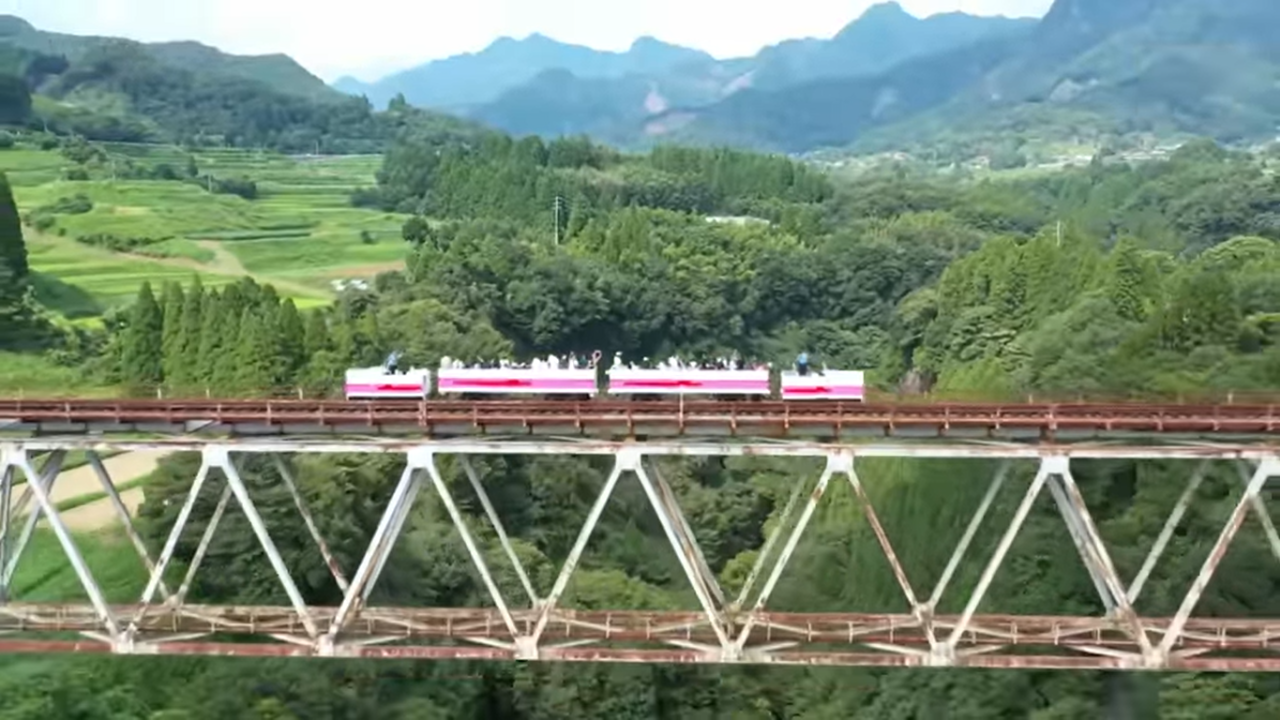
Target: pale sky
(371,38)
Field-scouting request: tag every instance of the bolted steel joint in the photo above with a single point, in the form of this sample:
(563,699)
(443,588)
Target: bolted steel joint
(526,647)
(941,655)
(325,646)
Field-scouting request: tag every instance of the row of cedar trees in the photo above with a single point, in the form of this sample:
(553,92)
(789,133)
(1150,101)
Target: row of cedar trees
(242,340)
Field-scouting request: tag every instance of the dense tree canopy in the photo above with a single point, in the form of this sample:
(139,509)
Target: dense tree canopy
(165,102)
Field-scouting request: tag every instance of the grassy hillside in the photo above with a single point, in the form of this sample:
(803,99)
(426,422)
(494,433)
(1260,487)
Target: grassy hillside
(114,90)
(279,72)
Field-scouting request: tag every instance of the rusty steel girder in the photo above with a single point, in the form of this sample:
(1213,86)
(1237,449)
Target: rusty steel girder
(725,627)
(605,418)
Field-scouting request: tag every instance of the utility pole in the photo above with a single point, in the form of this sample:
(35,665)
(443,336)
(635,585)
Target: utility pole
(558,206)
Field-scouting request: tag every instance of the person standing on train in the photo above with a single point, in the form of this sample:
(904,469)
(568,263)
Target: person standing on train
(802,364)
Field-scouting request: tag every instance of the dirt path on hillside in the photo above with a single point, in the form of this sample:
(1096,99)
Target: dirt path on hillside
(224,263)
(82,481)
(100,515)
(367,272)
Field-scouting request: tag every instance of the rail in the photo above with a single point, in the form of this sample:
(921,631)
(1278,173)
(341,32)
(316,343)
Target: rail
(761,418)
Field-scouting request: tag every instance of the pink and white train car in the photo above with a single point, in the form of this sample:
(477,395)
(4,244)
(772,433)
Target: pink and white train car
(377,384)
(832,385)
(688,381)
(516,381)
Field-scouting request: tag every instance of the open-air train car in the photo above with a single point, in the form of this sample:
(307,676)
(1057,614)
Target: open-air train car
(517,381)
(689,381)
(830,385)
(377,384)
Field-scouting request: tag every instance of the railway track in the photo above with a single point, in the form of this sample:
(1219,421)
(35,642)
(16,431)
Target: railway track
(629,418)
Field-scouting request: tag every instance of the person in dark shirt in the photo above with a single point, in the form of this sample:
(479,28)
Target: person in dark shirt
(392,365)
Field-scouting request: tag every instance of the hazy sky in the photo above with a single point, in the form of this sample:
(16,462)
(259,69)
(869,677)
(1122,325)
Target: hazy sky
(370,38)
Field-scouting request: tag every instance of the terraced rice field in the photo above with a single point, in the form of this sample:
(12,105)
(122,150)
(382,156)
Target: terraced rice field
(299,234)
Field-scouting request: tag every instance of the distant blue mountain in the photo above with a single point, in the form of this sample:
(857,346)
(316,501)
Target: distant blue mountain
(562,100)
(463,81)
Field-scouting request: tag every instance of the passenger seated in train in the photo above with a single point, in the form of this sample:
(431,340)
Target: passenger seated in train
(574,361)
(803,368)
(675,362)
(392,364)
(802,364)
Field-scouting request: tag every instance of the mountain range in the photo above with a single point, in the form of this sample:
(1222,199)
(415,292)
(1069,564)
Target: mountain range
(1209,67)
(540,86)
(1199,66)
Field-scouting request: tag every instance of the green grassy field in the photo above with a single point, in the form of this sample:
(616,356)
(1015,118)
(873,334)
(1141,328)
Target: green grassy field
(45,575)
(37,376)
(81,281)
(300,234)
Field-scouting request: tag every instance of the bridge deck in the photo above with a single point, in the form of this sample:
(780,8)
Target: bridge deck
(612,419)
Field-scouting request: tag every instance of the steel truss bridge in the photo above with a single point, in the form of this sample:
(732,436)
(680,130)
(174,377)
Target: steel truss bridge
(726,629)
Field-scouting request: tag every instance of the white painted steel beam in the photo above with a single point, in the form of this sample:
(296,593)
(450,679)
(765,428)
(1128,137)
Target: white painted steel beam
(745,630)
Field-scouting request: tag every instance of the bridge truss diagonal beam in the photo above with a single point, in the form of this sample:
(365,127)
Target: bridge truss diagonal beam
(734,628)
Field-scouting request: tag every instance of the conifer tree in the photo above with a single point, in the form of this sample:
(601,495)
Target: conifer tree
(316,334)
(188,370)
(256,357)
(292,341)
(142,354)
(15,313)
(173,302)
(344,339)
(13,249)
(211,344)
(368,335)
(1125,286)
(225,377)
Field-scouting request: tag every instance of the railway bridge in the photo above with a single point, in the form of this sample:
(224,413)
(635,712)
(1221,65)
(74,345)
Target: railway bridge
(1031,449)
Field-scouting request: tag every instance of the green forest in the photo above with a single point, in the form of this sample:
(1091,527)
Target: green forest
(121,91)
(1158,280)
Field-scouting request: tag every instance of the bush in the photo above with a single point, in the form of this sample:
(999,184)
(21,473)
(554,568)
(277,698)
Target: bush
(242,187)
(7,140)
(115,243)
(366,198)
(77,204)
